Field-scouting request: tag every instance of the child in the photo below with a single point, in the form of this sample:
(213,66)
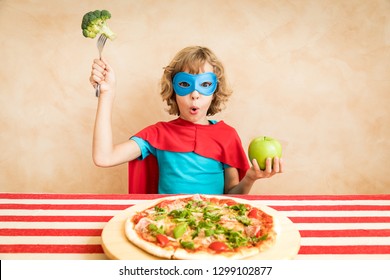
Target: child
(194,154)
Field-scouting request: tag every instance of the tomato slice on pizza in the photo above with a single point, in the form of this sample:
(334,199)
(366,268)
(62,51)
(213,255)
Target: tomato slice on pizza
(201,227)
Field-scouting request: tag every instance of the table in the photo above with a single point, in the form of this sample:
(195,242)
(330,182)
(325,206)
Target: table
(69,226)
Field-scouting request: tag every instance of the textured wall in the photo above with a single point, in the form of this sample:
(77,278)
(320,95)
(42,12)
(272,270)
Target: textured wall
(314,74)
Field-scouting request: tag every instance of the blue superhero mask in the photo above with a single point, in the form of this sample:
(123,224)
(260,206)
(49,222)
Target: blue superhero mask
(185,83)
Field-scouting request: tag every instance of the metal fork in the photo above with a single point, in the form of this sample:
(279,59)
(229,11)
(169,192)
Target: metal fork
(100,45)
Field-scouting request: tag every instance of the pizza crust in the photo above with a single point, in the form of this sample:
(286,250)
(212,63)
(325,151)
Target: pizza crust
(132,235)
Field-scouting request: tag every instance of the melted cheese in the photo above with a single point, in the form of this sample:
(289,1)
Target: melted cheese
(227,220)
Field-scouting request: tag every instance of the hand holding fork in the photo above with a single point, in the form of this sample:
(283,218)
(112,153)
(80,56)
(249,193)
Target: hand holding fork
(100,45)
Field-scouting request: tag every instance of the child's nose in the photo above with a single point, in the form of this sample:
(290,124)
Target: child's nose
(195,95)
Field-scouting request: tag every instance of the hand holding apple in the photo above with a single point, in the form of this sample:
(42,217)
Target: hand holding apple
(264,147)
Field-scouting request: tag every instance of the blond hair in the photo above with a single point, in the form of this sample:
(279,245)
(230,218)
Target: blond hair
(192,59)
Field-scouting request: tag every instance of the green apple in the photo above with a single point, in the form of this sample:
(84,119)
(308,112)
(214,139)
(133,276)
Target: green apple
(264,147)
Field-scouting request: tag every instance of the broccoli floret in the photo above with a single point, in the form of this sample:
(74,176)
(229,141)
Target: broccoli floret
(94,22)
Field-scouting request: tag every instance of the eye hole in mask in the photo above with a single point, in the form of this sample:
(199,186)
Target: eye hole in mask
(185,83)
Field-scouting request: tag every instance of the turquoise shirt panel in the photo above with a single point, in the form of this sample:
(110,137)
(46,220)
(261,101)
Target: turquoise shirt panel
(187,173)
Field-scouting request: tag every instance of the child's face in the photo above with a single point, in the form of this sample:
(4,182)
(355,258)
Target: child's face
(193,107)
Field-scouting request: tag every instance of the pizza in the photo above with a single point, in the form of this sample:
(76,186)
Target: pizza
(201,227)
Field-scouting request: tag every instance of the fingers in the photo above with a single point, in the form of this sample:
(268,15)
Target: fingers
(268,166)
(276,166)
(107,67)
(256,165)
(281,165)
(98,72)
(273,167)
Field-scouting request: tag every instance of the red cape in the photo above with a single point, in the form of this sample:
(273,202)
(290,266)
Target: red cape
(219,141)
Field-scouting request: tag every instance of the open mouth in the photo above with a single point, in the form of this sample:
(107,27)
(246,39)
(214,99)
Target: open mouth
(194,109)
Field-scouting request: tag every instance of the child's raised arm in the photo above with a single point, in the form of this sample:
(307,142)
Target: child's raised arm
(104,152)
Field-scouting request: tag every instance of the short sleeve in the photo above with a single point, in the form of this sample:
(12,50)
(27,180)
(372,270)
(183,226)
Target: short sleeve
(146,148)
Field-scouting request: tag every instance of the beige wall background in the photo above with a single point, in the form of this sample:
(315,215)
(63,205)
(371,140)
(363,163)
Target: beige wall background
(313,74)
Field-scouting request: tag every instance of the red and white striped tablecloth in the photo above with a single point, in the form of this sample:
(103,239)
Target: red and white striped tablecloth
(69,226)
